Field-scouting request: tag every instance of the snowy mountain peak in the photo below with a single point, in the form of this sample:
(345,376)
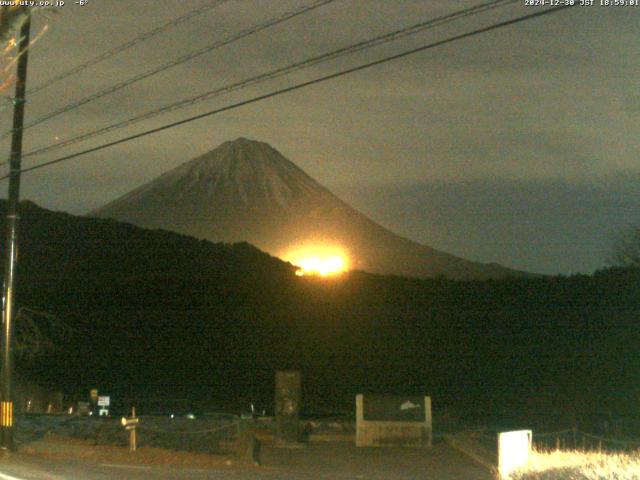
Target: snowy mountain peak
(245,190)
(253,170)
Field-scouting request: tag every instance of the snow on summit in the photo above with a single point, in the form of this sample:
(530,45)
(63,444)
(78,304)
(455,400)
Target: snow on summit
(245,190)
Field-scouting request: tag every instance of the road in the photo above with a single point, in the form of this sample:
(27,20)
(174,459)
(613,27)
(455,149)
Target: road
(339,461)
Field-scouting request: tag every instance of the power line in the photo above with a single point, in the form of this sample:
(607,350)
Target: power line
(279,72)
(300,85)
(125,46)
(125,83)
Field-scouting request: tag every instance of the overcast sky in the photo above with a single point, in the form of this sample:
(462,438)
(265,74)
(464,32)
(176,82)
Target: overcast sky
(518,146)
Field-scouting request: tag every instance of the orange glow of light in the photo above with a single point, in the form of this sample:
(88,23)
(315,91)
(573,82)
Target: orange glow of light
(318,260)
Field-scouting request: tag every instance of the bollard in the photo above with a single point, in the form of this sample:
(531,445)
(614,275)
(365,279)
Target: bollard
(248,446)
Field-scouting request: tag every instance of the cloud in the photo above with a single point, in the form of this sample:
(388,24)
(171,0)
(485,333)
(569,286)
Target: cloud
(548,226)
(546,99)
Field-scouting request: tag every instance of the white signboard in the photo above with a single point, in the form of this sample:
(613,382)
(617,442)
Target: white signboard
(103,401)
(513,451)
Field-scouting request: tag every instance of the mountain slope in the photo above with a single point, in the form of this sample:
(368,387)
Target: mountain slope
(247,191)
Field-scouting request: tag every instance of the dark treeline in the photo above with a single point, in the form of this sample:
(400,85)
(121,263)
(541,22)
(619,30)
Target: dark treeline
(159,315)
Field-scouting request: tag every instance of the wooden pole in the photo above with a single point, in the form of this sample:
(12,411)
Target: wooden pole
(11,244)
(132,432)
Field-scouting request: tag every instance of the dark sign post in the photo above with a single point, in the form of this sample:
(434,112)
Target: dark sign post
(389,408)
(393,420)
(287,406)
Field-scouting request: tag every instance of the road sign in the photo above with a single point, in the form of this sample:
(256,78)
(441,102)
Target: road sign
(514,449)
(93,395)
(104,401)
(130,424)
(129,421)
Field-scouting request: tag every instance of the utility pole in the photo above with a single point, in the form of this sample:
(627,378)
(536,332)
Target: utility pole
(11,244)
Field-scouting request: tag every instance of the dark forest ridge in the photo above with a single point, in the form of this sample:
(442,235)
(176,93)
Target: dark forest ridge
(153,313)
(246,190)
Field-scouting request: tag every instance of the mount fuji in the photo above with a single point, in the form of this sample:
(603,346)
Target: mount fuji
(246,190)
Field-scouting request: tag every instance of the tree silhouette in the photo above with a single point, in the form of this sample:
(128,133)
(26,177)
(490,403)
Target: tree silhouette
(38,333)
(626,249)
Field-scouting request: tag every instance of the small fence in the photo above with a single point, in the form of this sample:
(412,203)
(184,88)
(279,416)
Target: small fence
(574,439)
(210,433)
(567,439)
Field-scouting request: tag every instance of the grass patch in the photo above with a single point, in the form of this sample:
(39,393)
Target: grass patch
(579,465)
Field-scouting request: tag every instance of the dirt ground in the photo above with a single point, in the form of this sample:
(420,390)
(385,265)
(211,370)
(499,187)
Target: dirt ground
(56,447)
(316,460)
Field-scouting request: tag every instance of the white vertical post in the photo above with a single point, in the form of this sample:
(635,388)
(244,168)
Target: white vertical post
(514,449)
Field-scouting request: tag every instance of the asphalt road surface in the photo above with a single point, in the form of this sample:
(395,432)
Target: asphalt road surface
(339,461)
